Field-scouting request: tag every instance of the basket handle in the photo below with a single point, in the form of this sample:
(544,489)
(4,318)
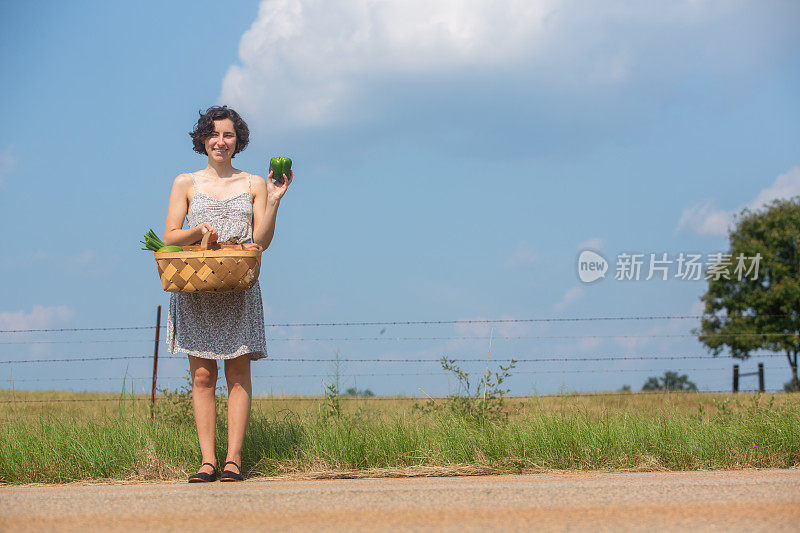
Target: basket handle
(204,242)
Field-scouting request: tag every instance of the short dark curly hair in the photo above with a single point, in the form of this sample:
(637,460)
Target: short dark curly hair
(205,127)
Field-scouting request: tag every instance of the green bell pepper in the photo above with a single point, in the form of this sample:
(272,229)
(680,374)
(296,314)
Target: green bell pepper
(280,166)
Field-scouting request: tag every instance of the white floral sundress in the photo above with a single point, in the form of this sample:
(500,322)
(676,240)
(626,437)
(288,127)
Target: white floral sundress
(219,325)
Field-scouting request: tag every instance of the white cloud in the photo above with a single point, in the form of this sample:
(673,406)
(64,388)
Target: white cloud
(661,337)
(707,219)
(482,328)
(522,257)
(39,318)
(786,185)
(596,244)
(7,163)
(588,344)
(307,59)
(655,336)
(570,296)
(312,62)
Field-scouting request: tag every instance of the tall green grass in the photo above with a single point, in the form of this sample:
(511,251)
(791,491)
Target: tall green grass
(54,442)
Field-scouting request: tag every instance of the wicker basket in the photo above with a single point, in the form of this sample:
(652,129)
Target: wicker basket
(209,268)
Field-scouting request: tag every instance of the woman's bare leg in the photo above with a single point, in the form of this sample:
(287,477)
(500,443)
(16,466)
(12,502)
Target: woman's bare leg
(237,374)
(204,385)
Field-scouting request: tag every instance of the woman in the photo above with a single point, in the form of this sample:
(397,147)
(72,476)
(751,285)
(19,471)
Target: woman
(231,204)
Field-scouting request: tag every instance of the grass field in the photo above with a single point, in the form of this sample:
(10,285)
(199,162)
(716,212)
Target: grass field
(59,440)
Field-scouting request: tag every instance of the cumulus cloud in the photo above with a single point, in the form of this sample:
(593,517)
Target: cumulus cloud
(570,297)
(589,343)
(786,185)
(307,59)
(39,318)
(595,243)
(707,219)
(658,336)
(306,63)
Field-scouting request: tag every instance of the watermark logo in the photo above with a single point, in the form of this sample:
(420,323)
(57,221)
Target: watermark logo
(685,266)
(591,266)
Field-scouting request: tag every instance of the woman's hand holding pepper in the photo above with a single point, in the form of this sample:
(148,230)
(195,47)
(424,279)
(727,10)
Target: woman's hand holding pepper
(275,192)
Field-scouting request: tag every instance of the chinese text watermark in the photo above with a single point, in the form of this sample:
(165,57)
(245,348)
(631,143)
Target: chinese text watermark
(685,266)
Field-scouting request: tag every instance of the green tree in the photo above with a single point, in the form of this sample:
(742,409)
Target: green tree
(748,311)
(670,381)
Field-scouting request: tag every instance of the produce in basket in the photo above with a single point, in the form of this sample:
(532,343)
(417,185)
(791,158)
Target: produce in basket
(210,267)
(280,166)
(234,244)
(154,244)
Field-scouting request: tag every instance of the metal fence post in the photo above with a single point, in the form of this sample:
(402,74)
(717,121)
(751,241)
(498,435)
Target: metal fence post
(155,364)
(735,378)
(761,377)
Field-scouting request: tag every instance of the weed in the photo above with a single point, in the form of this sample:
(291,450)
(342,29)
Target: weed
(701,411)
(175,406)
(485,404)
(333,400)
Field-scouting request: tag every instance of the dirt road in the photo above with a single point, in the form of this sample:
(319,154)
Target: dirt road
(767,500)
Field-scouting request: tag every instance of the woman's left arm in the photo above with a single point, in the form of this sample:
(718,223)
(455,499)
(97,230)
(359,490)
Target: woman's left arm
(267,198)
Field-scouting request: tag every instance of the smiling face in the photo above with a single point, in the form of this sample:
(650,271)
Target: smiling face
(221,144)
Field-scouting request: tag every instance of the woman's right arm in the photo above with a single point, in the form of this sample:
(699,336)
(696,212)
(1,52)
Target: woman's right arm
(176,212)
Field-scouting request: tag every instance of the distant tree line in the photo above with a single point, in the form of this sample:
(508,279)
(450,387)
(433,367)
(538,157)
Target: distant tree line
(366,393)
(671,381)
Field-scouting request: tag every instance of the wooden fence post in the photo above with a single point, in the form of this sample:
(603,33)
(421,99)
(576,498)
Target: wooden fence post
(735,378)
(155,364)
(761,377)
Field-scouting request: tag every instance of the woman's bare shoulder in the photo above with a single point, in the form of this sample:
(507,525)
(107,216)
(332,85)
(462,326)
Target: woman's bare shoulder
(258,184)
(183,178)
(257,179)
(182,182)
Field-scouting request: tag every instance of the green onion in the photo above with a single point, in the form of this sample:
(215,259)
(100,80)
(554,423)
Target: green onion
(152,242)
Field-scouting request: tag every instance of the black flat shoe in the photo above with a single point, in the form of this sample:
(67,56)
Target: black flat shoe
(202,477)
(229,475)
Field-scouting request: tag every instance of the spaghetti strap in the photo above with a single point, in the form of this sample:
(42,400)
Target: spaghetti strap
(248,186)
(193,182)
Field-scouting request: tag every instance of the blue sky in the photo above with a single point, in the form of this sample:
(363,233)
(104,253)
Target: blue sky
(451,162)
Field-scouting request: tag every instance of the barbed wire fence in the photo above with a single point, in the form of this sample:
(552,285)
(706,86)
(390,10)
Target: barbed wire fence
(528,361)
